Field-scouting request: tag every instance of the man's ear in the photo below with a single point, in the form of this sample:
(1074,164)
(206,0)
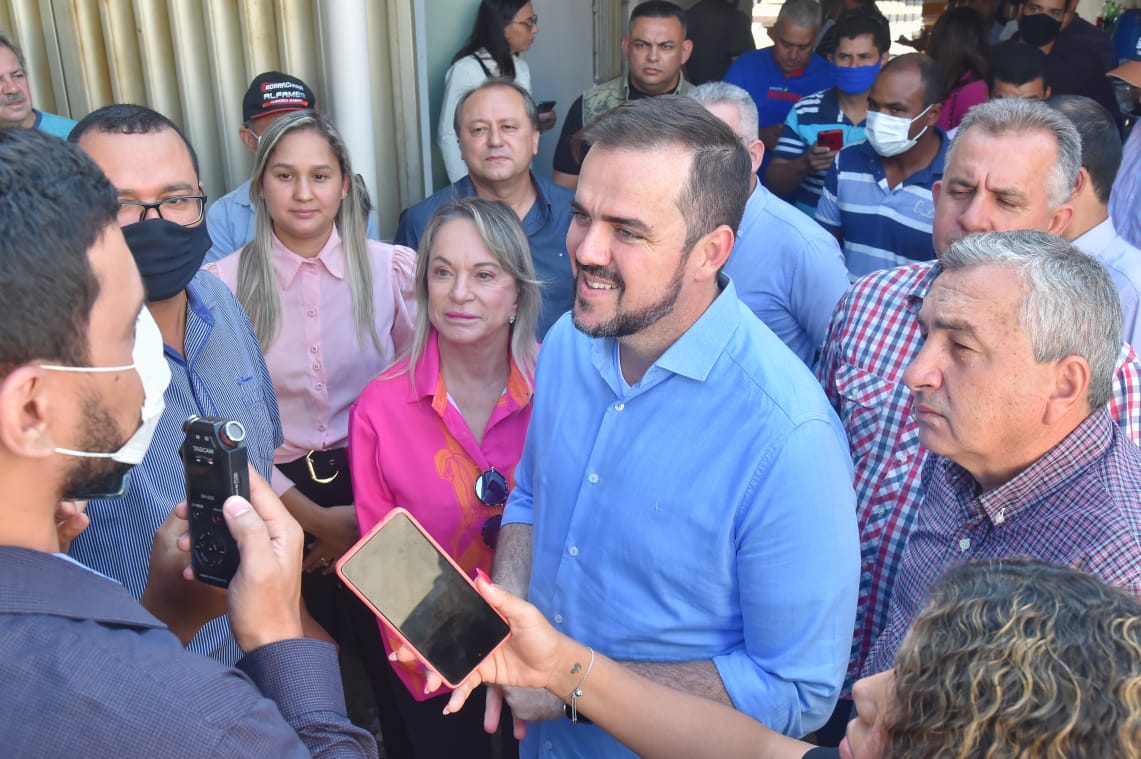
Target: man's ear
(686,51)
(25,402)
(936,191)
(711,252)
(1070,391)
(249,139)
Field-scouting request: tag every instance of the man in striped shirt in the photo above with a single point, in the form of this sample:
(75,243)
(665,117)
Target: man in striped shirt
(1013,166)
(877,194)
(802,157)
(1021,336)
(216,364)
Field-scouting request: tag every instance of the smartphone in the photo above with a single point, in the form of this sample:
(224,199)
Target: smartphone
(403,575)
(833,139)
(214,458)
(546,105)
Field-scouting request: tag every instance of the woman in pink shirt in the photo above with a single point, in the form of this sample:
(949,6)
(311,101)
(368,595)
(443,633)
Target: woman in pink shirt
(440,433)
(331,310)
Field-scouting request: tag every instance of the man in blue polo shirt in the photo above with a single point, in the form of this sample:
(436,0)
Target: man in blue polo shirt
(780,75)
(16,98)
(801,159)
(877,195)
(786,269)
(498,129)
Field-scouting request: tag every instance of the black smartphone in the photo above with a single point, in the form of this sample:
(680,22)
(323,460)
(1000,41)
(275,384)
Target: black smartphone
(412,584)
(214,457)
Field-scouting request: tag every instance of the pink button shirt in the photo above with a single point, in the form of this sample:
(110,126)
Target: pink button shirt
(318,362)
(410,447)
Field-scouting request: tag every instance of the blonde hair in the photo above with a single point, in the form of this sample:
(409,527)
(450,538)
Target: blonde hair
(258,289)
(503,234)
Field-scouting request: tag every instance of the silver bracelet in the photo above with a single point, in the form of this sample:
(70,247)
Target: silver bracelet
(576,694)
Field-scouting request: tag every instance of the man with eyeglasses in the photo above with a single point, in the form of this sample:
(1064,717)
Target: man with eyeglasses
(216,364)
(270,96)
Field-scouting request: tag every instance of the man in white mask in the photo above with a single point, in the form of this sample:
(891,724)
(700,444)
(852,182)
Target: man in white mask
(88,670)
(877,193)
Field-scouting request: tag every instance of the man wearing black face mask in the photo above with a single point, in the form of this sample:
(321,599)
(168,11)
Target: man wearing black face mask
(1072,70)
(216,364)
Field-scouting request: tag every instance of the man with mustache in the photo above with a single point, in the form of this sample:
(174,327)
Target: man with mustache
(682,466)
(16,98)
(1021,336)
(1013,165)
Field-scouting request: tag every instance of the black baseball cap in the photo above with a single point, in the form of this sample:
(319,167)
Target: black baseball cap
(274,92)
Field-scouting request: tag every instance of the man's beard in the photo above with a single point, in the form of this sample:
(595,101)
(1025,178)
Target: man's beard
(625,323)
(92,477)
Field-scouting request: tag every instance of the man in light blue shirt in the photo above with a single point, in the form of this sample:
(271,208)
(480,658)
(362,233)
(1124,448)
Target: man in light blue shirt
(784,266)
(216,363)
(16,98)
(683,471)
(1091,229)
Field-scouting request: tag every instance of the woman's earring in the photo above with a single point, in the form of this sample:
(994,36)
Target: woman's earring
(511,319)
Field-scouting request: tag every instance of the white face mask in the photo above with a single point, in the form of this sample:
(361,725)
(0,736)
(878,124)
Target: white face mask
(148,360)
(888,134)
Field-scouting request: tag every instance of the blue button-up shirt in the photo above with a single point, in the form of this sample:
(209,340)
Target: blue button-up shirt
(230,220)
(1123,261)
(546,227)
(788,271)
(221,374)
(705,513)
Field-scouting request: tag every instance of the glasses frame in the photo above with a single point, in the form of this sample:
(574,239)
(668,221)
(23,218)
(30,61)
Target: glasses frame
(157,207)
(530,23)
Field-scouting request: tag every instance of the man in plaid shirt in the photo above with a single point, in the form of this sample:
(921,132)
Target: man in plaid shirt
(1012,165)
(1010,392)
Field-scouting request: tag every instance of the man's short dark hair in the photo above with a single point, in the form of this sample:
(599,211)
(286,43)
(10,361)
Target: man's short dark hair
(718,184)
(860,21)
(1016,63)
(659,9)
(128,118)
(929,73)
(1101,142)
(55,204)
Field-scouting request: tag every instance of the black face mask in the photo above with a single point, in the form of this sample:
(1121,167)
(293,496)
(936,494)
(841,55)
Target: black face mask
(167,254)
(1039,29)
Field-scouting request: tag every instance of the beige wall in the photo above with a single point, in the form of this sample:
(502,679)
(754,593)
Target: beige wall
(193,59)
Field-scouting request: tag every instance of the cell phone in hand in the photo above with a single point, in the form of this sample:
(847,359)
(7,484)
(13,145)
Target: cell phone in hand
(833,139)
(411,583)
(214,457)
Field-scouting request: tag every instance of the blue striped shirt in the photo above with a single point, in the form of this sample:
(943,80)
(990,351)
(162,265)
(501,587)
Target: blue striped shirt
(813,114)
(881,227)
(222,374)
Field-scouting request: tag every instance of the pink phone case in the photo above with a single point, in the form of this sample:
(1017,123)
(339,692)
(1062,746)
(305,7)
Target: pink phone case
(388,518)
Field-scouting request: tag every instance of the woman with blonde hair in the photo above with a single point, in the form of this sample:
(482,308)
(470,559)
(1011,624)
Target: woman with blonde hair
(331,310)
(440,433)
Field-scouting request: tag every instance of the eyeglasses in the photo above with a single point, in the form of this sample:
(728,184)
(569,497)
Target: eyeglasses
(186,210)
(530,23)
(491,489)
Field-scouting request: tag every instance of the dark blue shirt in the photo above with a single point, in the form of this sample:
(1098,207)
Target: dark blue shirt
(546,225)
(86,671)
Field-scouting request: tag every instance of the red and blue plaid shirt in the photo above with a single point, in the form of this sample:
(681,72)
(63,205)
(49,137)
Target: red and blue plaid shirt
(1079,505)
(873,337)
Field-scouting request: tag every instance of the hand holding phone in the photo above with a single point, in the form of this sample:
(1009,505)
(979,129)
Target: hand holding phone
(407,580)
(833,139)
(214,456)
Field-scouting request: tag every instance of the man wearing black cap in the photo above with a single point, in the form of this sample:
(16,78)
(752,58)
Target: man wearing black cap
(271,94)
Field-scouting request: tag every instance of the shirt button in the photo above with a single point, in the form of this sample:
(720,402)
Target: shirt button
(619,406)
(964,544)
(316,365)
(902,456)
(558,619)
(320,386)
(549,745)
(321,427)
(312,348)
(573,551)
(593,479)
(312,312)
